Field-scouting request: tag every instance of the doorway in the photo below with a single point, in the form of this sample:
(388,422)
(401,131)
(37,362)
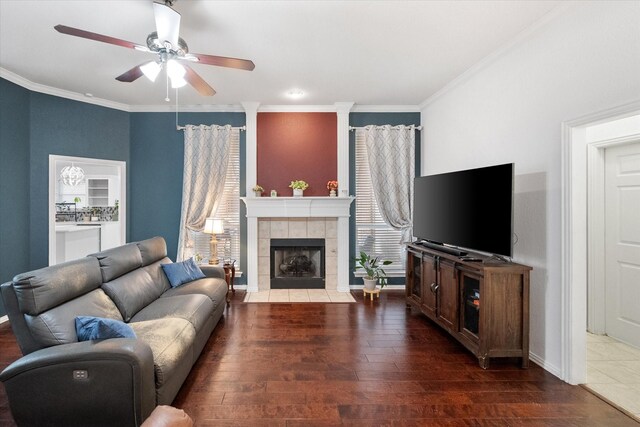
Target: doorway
(585,145)
(86,215)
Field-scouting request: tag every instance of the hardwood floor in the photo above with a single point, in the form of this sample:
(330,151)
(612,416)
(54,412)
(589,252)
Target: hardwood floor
(364,364)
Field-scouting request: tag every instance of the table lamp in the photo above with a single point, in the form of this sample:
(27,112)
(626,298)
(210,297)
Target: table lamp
(213,226)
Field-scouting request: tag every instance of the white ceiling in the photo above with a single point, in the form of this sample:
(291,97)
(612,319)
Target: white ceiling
(369,52)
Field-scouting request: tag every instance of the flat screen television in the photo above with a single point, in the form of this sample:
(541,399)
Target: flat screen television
(471,209)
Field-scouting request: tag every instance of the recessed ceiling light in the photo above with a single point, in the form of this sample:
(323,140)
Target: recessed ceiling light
(295,94)
(88,95)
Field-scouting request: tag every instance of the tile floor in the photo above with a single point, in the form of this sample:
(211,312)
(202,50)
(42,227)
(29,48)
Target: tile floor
(299,295)
(613,371)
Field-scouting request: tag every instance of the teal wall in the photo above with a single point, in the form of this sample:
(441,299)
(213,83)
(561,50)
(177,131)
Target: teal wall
(68,128)
(14,181)
(157,153)
(378,119)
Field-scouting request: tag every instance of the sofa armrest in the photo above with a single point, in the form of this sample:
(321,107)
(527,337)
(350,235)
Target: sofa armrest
(109,382)
(214,271)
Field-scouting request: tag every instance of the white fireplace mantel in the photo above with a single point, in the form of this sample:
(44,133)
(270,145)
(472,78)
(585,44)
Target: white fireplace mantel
(298,207)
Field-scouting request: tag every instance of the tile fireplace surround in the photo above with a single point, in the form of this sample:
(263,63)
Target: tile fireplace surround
(298,217)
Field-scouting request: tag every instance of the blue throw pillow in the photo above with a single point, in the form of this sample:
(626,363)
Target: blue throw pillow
(182,272)
(98,328)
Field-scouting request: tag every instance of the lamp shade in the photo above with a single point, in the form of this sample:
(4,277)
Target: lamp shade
(213,226)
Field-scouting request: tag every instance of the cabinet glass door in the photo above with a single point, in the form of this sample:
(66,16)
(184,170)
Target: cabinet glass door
(414,275)
(471,303)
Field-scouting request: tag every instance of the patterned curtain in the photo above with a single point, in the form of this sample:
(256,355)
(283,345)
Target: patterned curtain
(391,154)
(206,157)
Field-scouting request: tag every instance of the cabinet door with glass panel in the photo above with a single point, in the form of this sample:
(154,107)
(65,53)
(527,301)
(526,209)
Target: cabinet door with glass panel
(414,276)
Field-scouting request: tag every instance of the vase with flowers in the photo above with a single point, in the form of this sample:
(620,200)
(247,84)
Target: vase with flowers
(258,190)
(298,186)
(332,186)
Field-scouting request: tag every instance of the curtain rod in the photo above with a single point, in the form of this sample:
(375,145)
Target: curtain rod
(232,127)
(392,127)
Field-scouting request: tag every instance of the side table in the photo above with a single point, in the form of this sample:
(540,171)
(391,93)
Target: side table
(229,275)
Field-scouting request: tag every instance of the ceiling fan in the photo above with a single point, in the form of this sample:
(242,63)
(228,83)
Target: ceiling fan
(171,52)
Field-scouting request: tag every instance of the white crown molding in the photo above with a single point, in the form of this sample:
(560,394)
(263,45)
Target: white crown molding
(48,90)
(519,39)
(212,108)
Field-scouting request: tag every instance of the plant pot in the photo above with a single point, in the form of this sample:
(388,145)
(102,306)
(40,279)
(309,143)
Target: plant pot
(297,192)
(332,193)
(370,284)
(258,193)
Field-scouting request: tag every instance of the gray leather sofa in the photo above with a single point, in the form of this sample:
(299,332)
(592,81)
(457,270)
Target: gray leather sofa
(114,382)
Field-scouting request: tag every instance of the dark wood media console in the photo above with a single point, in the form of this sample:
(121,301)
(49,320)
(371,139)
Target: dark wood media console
(483,304)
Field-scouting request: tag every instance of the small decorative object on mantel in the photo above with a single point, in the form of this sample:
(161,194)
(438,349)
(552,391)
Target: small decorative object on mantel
(373,268)
(332,186)
(257,190)
(298,187)
(274,193)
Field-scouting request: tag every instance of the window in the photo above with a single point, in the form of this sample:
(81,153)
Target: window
(373,235)
(228,211)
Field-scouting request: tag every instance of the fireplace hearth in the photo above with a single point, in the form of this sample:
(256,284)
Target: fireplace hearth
(297,263)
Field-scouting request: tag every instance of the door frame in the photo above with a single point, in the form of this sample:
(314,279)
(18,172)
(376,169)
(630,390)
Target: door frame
(122,167)
(580,243)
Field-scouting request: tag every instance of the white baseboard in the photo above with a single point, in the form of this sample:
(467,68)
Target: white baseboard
(544,365)
(4,319)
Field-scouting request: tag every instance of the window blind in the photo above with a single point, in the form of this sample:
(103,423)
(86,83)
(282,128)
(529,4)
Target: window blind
(228,210)
(373,235)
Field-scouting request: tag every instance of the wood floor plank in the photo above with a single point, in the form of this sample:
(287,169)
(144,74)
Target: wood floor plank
(364,364)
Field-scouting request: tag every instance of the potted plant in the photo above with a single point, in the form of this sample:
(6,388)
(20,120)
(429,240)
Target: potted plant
(257,190)
(298,187)
(373,267)
(332,186)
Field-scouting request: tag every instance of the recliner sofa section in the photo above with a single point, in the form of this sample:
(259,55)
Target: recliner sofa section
(61,381)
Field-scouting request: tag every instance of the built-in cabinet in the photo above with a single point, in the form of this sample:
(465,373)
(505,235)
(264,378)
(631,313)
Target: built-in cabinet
(100,191)
(484,304)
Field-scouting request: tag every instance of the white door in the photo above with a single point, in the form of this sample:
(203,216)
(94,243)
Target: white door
(622,239)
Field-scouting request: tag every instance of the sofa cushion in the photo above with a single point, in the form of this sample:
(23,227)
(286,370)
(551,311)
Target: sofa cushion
(215,289)
(171,341)
(132,292)
(39,290)
(152,250)
(182,272)
(57,326)
(157,273)
(89,328)
(118,261)
(197,309)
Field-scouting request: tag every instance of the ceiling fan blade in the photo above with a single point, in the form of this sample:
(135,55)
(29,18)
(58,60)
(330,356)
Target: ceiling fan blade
(198,82)
(131,75)
(223,61)
(98,37)
(167,23)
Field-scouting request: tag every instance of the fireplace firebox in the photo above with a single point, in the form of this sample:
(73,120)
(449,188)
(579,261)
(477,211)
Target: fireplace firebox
(297,264)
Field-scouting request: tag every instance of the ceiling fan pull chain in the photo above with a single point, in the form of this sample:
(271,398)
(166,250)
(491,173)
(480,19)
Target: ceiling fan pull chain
(167,81)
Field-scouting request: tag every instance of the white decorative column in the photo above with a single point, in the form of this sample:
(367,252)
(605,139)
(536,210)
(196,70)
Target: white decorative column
(342,110)
(251,162)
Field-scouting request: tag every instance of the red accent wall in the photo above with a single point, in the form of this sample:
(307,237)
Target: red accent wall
(294,146)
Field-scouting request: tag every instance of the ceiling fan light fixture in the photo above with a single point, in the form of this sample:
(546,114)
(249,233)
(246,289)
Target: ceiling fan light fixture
(151,70)
(175,70)
(178,82)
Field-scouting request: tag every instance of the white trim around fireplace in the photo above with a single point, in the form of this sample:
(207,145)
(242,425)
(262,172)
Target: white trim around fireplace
(298,207)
